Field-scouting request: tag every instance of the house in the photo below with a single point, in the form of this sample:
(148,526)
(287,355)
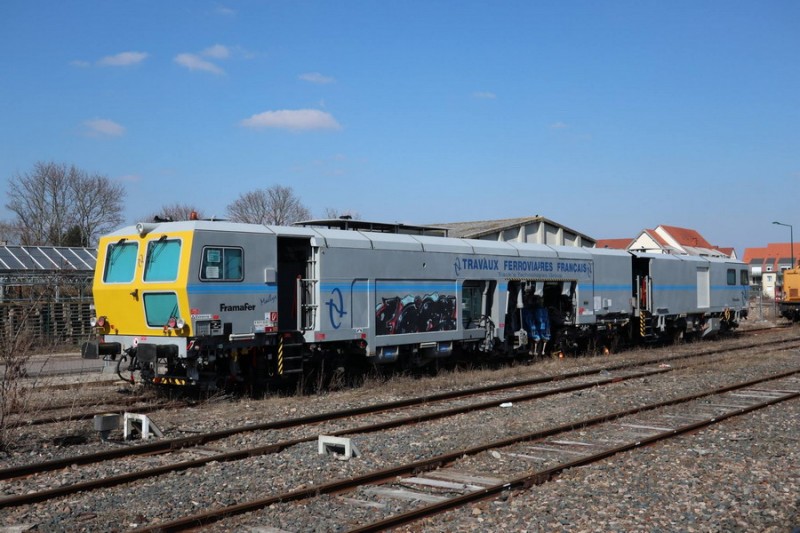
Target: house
(679,241)
(766,265)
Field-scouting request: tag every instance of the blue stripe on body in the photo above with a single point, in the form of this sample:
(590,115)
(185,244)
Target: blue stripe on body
(694,287)
(610,288)
(417,286)
(226,288)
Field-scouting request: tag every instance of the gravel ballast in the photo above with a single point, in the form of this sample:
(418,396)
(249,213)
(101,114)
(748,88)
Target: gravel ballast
(739,476)
(742,475)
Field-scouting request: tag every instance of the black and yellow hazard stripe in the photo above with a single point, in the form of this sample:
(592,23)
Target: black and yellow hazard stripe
(280,356)
(171,381)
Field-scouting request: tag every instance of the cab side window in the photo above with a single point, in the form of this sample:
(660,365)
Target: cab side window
(222,264)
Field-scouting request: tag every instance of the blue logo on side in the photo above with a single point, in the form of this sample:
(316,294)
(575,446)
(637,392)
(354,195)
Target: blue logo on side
(336,307)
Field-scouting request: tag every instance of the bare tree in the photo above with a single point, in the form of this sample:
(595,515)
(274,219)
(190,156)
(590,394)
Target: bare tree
(251,207)
(53,199)
(98,206)
(10,232)
(42,202)
(276,205)
(175,212)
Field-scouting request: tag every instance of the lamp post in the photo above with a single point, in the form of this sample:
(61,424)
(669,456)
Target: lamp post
(791,240)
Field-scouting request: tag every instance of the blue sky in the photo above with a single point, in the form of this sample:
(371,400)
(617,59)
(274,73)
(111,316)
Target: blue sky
(608,117)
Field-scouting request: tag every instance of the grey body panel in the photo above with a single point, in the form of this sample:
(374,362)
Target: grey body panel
(246,304)
(613,282)
(414,277)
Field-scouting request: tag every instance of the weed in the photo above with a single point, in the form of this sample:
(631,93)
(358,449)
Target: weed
(16,349)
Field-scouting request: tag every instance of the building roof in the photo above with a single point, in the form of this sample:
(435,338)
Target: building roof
(772,257)
(46,259)
(674,239)
(347,223)
(656,236)
(614,244)
(727,250)
(480,228)
(686,237)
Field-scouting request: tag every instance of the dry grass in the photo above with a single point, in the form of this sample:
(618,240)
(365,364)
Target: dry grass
(16,350)
(19,343)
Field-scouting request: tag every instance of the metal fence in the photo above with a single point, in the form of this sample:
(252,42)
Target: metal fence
(761,306)
(47,322)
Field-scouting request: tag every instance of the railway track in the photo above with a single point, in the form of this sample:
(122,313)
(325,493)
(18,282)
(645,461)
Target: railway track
(550,452)
(580,380)
(167,445)
(141,406)
(620,436)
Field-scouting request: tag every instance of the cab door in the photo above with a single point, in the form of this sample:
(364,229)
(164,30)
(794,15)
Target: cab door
(297,284)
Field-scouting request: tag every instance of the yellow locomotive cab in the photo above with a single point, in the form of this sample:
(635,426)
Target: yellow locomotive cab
(790,304)
(141,289)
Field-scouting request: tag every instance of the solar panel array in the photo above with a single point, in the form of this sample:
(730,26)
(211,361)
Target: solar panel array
(46,258)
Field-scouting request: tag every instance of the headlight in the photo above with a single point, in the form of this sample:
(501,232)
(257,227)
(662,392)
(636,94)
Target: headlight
(175,323)
(93,321)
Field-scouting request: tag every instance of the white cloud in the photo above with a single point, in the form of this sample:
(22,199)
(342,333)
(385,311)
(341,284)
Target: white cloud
(226,11)
(102,127)
(293,119)
(559,126)
(217,51)
(123,59)
(80,64)
(484,95)
(194,62)
(316,77)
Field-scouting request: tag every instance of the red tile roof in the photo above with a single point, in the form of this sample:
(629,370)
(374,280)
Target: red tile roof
(687,237)
(725,250)
(614,244)
(771,255)
(656,237)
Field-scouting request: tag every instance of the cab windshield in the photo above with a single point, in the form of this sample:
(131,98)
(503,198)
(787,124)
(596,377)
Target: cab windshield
(120,262)
(162,260)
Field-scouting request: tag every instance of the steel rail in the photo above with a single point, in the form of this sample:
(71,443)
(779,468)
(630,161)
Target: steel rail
(63,490)
(168,445)
(542,476)
(205,518)
(92,402)
(88,415)
(197,440)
